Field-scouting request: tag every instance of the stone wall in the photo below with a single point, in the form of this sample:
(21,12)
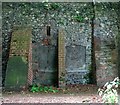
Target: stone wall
(77,31)
(75,19)
(0,47)
(78,51)
(6,37)
(105,34)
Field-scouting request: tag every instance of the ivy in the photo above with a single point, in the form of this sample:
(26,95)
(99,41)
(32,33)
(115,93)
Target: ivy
(54,6)
(50,6)
(78,18)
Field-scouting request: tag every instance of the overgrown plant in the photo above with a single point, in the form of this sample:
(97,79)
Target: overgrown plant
(78,18)
(50,6)
(45,89)
(54,6)
(109,91)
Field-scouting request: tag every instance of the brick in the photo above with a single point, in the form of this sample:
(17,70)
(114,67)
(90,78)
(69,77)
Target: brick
(61,57)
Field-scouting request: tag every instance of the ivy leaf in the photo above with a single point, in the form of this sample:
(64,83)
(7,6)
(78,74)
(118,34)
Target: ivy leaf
(78,18)
(54,6)
(41,89)
(46,89)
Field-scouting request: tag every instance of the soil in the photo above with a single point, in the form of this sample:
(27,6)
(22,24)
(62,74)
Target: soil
(70,94)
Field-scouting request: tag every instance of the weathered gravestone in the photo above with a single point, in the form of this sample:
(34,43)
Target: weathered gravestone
(18,63)
(44,56)
(75,64)
(77,53)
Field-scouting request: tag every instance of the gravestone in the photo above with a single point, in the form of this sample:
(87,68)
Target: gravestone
(44,57)
(75,57)
(75,64)
(77,53)
(47,67)
(18,63)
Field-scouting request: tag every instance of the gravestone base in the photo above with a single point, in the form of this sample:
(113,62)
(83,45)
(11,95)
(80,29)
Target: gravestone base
(77,77)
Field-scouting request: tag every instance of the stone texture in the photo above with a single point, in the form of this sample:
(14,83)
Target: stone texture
(75,19)
(0,46)
(20,42)
(30,71)
(74,31)
(6,37)
(105,45)
(78,35)
(16,76)
(77,77)
(61,58)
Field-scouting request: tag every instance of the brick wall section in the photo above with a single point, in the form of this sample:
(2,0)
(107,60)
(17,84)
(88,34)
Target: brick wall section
(61,58)
(22,32)
(105,33)
(0,47)
(0,62)
(106,64)
(30,71)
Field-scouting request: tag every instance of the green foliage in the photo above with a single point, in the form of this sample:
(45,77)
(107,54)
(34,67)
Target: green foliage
(78,18)
(89,76)
(34,88)
(109,91)
(86,77)
(61,22)
(46,6)
(89,67)
(45,89)
(50,6)
(54,6)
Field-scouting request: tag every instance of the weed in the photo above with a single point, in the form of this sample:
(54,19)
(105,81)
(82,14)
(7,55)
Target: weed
(54,6)
(78,18)
(45,89)
(50,6)
(34,88)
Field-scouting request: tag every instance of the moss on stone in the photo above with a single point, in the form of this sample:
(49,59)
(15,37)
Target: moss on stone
(16,74)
